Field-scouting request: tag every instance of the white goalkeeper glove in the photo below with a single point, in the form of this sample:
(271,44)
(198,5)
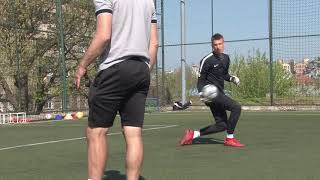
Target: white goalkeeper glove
(235,80)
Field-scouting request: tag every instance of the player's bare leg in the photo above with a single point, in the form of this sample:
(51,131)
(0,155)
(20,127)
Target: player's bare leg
(97,152)
(134,158)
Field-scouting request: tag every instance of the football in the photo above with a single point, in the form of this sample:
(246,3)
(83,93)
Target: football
(208,93)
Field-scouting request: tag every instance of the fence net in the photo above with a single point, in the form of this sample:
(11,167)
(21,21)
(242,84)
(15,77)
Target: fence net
(42,42)
(296,44)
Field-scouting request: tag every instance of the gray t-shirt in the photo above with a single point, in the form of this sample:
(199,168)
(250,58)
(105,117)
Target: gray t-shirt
(131,24)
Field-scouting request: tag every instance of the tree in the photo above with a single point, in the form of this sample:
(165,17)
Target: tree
(29,46)
(254,72)
(174,84)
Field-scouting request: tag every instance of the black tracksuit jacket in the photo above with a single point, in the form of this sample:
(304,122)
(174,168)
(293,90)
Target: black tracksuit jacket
(214,70)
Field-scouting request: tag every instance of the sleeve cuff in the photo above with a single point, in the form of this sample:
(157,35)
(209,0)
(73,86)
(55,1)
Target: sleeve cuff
(104,11)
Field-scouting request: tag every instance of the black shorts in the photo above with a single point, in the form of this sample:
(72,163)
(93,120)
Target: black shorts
(122,88)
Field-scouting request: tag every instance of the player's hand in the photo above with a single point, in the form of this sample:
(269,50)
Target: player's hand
(235,80)
(81,71)
(203,99)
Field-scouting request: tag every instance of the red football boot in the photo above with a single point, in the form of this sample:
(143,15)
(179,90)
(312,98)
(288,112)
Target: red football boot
(187,137)
(232,142)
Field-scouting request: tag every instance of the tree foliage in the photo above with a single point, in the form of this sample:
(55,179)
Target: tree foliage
(30,71)
(174,83)
(254,73)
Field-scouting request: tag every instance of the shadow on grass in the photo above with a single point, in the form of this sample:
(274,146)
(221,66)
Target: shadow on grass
(116,175)
(206,141)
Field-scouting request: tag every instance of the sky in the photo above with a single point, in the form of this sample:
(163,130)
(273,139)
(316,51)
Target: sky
(239,20)
(236,20)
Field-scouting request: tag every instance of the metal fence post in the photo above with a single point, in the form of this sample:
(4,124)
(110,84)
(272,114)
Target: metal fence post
(62,54)
(183,51)
(271,53)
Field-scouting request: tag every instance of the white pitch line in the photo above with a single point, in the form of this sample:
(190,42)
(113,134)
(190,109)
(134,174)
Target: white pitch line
(74,125)
(74,139)
(36,122)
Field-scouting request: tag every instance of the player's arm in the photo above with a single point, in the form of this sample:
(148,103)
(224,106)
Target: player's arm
(227,76)
(101,39)
(203,73)
(153,46)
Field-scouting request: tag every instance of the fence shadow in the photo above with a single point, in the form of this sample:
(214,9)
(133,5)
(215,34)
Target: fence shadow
(207,141)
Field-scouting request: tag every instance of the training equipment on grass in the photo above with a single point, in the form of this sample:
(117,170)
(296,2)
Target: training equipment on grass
(208,93)
(68,116)
(48,116)
(13,118)
(79,115)
(58,117)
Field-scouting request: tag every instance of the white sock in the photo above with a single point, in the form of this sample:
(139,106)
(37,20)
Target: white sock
(89,179)
(196,134)
(230,136)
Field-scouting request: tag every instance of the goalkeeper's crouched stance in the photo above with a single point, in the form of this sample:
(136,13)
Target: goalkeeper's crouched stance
(214,70)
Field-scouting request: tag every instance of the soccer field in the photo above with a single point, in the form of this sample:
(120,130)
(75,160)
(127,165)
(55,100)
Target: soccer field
(280,146)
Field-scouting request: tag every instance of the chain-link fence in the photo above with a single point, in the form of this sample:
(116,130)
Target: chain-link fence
(296,43)
(42,42)
(290,38)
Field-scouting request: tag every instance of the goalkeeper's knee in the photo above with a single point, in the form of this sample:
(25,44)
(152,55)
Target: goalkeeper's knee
(236,108)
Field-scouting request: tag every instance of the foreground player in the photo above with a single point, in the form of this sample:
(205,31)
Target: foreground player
(126,41)
(214,70)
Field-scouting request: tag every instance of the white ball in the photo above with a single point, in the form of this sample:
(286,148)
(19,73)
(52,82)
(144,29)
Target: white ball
(209,92)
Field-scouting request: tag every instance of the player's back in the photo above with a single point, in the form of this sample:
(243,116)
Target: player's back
(131,24)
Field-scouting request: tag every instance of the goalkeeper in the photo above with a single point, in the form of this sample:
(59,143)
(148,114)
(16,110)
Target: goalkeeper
(214,70)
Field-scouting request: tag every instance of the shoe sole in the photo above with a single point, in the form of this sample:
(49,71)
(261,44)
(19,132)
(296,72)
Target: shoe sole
(234,146)
(186,143)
